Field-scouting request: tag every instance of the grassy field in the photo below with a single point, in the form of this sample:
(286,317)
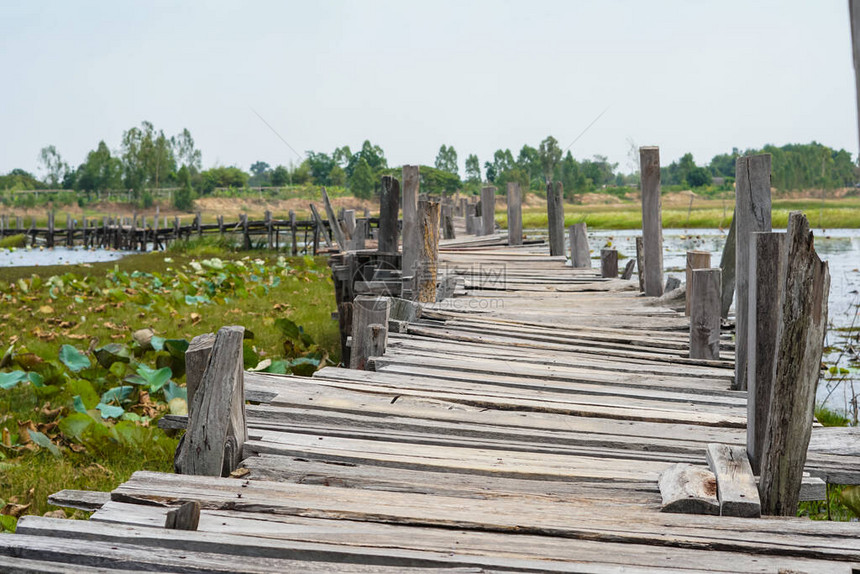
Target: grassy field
(83,413)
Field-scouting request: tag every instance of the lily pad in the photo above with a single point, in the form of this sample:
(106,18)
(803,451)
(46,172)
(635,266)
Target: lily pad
(112,353)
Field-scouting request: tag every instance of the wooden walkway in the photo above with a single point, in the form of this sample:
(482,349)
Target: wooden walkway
(519,426)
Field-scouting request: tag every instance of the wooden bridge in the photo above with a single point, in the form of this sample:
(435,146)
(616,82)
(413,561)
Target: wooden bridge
(522,423)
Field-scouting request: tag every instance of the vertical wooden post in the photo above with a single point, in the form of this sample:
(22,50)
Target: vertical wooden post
(470,224)
(411,231)
(294,249)
(320,227)
(640,263)
(580,254)
(428,255)
(333,222)
(798,361)
(854,16)
(704,313)
(198,223)
(70,234)
(488,210)
(196,359)
(555,218)
(766,277)
(727,264)
(389,210)
(515,214)
(349,222)
(752,210)
(366,311)
(652,220)
(609,263)
(50,238)
(316,239)
(695,260)
(359,234)
(270,231)
(216,430)
(246,237)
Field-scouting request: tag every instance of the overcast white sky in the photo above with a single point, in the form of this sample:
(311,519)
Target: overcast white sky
(411,76)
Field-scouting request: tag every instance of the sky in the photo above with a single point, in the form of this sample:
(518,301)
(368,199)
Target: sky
(684,75)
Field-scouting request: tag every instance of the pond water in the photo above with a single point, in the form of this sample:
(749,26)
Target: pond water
(839,247)
(57,256)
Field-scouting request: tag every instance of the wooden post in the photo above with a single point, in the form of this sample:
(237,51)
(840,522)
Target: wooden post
(448,222)
(270,231)
(470,224)
(196,359)
(488,210)
(695,260)
(216,430)
(428,255)
(50,239)
(349,222)
(294,234)
(333,222)
(640,263)
(652,220)
(246,237)
(628,269)
(515,214)
(854,17)
(704,290)
(464,203)
(727,264)
(580,254)
(316,238)
(800,339)
(70,231)
(555,218)
(609,263)
(359,234)
(366,311)
(320,227)
(184,517)
(411,231)
(389,209)
(766,277)
(198,223)
(752,211)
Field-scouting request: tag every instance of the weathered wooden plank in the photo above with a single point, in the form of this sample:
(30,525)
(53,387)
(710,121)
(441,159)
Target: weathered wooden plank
(411,230)
(81,499)
(366,311)
(515,213)
(196,358)
(488,210)
(736,486)
(185,517)
(727,265)
(705,314)
(389,210)
(688,489)
(339,235)
(608,263)
(580,254)
(428,252)
(555,217)
(652,220)
(695,260)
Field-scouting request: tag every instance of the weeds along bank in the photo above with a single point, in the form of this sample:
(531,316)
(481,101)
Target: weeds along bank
(93,355)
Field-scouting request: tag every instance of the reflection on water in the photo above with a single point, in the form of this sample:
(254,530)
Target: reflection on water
(839,247)
(57,256)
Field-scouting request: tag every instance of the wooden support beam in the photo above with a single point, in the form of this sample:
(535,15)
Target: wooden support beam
(798,360)
(428,254)
(609,263)
(294,241)
(359,234)
(640,262)
(752,211)
(854,17)
(488,210)
(389,210)
(704,293)
(727,265)
(366,311)
(515,213)
(555,218)
(695,260)
(349,222)
(652,220)
(628,269)
(411,231)
(580,253)
(270,231)
(688,489)
(216,430)
(447,222)
(766,280)
(196,359)
(336,230)
(736,487)
(320,227)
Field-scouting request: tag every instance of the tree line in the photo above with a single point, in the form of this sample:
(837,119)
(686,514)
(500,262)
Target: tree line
(148,159)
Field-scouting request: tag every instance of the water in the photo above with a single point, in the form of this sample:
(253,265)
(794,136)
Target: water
(57,256)
(839,247)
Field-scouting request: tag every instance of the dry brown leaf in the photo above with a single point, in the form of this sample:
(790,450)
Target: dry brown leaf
(7,438)
(55,514)
(75,336)
(23,427)
(16,510)
(240,472)
(75,447)
(49,412)
(195,318)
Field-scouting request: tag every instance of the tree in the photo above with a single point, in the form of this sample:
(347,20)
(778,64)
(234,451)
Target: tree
(699,177)
(147,157)
(529,161)
(261,174)
(446,160)
(362,180)
(337,176)
(183,198)
(321,165)
(473,169)
(100,171)
(223,177)
(185,151)
(342,155)
(55,167)
(280,176)
(550,155)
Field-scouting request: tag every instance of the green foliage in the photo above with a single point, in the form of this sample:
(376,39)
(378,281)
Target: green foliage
(100,171)
(19,180)
(223,177)
(446,160)
(13,241)
(473,169)
(362,181)
(280,176)
(549,154)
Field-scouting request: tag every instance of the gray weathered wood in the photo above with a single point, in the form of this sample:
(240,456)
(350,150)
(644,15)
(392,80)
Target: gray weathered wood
(752,211)
(609,263)
(320,226)
(217,431)
(727,265)
(766,280)
(196,360)
(580,254)
(185,517)
(349,222)
(854,17)
(800,339)
(672,283)
(389,211)
(294,242)
(688,489)
(338,233)
(448,222)
(652,220)
(695,260)
(640,263)
(428,253)
(628,269)
(555,217)
(366,311)
(736,486)
(411,231)
(360,234)
(488,210)
(704,293)
(515,213)
(81,499)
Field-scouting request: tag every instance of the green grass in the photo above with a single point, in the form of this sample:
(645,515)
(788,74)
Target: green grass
(40,320)
(19,240)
